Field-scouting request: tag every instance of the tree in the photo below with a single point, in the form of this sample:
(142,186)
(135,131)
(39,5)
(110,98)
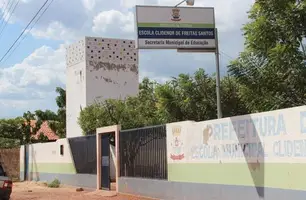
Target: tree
(59,125)
(232,103)
(21,128)
(30,126)
(131,112)
(188,98)
(6,143)
(11,130)
(194,97)
(56,121)
(183,98)
(271,71)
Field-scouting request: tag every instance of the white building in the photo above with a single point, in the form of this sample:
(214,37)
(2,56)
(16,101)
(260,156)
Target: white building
(98,69)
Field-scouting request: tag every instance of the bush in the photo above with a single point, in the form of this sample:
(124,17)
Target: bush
(54,184)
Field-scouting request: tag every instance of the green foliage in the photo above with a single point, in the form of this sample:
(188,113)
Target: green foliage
(28,128)
(46,115)
(56,121)
(6,143)
(271,71)
(43,138)
(61,99)
(188,98)
(183,98)
(269,74)
(132,112)
(59,124)
(54,184)
(11,129)
(20,131)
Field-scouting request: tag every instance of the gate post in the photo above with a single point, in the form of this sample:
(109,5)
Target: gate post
(105,130)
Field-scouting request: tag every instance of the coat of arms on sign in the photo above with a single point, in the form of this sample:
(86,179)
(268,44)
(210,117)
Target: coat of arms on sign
(176,14)
(177,144)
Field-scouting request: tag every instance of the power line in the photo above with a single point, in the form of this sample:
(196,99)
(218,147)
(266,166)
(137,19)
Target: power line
(21,34)
(228,56)
(6,10)
(8,19)
(2,10)
(25,35)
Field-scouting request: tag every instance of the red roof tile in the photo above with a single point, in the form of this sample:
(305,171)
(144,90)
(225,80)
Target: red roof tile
(45,129)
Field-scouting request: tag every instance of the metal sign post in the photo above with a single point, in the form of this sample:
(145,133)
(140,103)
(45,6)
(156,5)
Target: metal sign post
(216,51)
(219,110)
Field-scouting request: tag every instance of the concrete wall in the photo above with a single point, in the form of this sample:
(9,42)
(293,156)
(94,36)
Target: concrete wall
(111,69)
(257,156)
(168,190)
(46,164)
(98,69)
(75,86)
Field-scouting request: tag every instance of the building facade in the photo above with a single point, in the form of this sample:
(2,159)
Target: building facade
(98,69)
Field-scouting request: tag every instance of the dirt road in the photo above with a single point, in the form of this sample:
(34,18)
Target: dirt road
(35,191)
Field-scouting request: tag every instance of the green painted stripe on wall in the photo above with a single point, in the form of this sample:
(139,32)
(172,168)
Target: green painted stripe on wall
(59,168)
(274,175)
(176,25)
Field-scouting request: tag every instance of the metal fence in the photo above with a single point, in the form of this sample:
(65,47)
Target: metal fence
(84,154)
(143,152)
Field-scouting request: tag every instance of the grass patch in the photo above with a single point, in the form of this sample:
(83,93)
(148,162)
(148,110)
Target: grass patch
(54,184)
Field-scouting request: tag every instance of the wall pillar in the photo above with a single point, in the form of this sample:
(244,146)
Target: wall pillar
(104,130)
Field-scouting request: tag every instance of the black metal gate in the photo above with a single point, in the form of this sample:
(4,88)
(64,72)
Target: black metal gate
(143,152)
(105,162)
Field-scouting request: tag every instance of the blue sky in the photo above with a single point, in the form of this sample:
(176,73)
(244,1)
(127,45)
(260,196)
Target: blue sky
(29,76)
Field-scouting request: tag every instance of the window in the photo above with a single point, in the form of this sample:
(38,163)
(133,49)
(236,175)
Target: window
(62,150)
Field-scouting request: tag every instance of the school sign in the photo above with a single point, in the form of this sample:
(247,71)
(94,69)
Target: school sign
(175,27)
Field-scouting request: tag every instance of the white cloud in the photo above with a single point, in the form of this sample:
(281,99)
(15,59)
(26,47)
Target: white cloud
(131,3)
(30,85)
(159,79)
(230,14)
(76,15)
(89,4)
(127,4)
(14,104)
(13,108)
(55,31)
(44,67)
(112,20)
(27,85)
(81,17)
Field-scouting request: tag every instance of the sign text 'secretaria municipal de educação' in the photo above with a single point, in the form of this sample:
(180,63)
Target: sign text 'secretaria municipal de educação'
(175,42)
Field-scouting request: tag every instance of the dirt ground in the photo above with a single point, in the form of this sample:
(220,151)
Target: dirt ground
(33,191)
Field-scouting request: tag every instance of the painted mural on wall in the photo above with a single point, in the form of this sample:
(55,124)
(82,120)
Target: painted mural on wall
(177,144)
(275,137)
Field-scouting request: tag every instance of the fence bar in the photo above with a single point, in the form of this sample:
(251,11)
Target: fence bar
(143,152)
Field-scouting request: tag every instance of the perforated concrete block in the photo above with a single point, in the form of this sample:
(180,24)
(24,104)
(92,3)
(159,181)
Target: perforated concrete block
(75,53)
(111,50)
